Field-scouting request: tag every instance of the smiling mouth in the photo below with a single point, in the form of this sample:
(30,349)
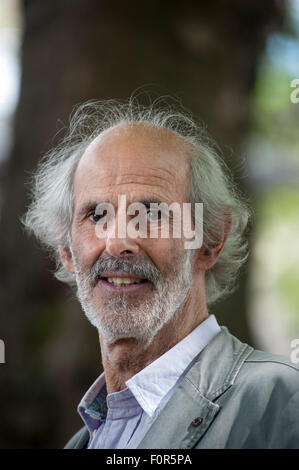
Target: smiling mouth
(122,282)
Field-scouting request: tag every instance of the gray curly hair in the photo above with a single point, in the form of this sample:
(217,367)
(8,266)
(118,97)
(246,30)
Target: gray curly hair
(49,215)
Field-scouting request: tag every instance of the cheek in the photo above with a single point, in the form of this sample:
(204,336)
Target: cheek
(88,247)
(164,252)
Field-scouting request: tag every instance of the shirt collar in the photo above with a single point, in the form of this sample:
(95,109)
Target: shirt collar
(93,406)
(155,382)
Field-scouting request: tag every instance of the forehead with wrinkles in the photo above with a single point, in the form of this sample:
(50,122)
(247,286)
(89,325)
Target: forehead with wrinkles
(134,159)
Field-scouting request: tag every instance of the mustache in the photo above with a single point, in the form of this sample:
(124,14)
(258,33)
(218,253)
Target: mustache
(131,265)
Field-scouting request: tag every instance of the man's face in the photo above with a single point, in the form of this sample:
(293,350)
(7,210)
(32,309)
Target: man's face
(130,287)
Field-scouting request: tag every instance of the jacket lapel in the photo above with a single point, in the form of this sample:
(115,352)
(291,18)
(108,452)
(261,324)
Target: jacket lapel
(82,439)
(173,429)
(191,409)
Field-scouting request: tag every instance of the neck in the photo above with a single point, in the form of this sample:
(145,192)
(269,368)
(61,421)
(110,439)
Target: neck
(126,357)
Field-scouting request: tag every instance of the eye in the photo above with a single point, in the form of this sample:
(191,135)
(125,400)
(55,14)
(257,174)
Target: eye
(154,214)
(96,217)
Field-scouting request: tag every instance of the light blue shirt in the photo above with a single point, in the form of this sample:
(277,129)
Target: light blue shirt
(120,420)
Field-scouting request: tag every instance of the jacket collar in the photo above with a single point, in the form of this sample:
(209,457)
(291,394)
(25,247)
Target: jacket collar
(213,372)
(152,385)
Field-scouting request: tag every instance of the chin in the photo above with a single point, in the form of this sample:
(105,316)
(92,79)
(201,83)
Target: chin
(114,335)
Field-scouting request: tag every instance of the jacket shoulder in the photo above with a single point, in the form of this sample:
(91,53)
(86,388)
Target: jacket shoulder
(275,362)
(262,356)
(269,375)
(78,440)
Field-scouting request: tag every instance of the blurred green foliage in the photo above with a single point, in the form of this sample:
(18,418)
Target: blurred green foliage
(274,125)
(278,204)
(277,210)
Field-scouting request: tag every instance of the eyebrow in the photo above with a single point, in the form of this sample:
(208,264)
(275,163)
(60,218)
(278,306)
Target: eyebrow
(148,202)
(91,205)
(86,208)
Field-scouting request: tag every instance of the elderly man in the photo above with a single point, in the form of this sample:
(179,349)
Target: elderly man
(173,378)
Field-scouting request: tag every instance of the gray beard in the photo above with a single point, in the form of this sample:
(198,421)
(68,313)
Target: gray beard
(119,318)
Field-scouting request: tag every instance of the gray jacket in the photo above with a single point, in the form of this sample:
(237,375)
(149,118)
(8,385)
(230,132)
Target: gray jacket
(233,397)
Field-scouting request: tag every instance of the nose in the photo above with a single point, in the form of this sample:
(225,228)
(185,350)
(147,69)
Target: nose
(118,243)
(121,246)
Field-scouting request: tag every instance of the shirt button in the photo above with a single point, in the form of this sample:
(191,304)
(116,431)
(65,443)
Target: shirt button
(197,421)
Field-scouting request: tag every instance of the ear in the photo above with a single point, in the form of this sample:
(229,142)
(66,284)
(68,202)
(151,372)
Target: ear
(209,253)
(67,259)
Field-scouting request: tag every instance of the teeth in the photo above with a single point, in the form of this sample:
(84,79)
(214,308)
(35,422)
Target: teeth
(120,281)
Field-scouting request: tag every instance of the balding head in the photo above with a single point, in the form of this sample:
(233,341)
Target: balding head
(155,142)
